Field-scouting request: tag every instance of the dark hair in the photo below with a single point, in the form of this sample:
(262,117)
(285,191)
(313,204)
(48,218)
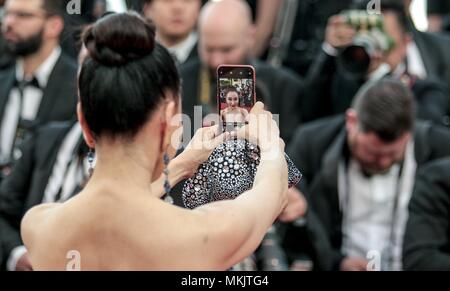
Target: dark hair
(394,6)
(126,75)
(54,7)
(230,89)
(385,107)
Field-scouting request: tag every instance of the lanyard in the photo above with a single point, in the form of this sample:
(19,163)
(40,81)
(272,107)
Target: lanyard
(388,252)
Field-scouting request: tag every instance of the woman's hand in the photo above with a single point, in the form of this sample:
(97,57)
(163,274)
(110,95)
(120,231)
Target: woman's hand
(263,131)
(201,147)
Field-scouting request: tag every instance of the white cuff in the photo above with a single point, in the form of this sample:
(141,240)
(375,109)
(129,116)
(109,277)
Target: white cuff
(329,49)
(14,257)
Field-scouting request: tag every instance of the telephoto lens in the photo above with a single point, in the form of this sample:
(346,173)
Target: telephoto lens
(354,60)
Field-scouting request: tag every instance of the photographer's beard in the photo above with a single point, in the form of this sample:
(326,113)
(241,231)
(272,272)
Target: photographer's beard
(25,47)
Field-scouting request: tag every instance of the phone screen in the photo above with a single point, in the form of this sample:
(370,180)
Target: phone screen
(236,95)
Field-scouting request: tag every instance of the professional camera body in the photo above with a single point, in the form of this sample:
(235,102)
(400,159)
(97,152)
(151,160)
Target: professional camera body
(371,38)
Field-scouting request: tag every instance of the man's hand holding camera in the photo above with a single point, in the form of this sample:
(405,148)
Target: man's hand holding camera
(339,33)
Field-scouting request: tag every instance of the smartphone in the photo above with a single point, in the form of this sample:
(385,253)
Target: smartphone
(236,95)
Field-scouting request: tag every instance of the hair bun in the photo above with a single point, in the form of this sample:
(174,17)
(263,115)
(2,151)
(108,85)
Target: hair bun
(118,39)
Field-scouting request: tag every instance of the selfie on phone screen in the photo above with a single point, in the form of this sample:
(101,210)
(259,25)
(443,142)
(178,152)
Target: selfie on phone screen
(236,95)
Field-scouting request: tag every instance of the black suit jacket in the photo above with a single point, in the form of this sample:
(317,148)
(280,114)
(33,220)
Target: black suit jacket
(193,55)
(25,187)
(59,97)
(435,52)
(317,149)
(5,57)
(281,89)
(427,236)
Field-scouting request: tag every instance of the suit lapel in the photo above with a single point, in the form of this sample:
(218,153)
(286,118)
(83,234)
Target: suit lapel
(429,61)
(422,142)
(193,54)
(332,158)
(52,91)
(6,84)
(47,154)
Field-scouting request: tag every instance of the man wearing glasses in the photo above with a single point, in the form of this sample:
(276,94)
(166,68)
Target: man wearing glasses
(41,86)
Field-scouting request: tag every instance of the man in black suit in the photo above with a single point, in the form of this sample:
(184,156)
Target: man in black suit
(41,87)
(420,59)
(433,47)
(427,236)
(438,12)
(52,168)
(175,23)
(309,31)
(5,58)
(226,37)
(74,25)
(359,172)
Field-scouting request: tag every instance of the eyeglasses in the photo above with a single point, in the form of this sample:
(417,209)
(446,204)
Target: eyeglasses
(25,15)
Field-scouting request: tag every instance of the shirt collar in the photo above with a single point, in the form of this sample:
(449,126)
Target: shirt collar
(416,64)
(43,72)
(184,48)
(383,70)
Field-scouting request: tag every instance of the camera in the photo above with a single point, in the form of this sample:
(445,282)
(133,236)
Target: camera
(371,38)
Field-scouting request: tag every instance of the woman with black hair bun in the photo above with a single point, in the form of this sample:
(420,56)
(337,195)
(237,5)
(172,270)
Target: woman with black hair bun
(129,95)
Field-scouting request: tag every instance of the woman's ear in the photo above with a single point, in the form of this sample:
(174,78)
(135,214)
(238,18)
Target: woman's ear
(87,133)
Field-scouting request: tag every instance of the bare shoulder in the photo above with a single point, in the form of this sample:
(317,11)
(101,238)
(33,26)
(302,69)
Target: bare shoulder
(35,219)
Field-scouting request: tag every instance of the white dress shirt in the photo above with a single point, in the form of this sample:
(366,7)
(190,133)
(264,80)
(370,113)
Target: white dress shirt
(32,98)
(375,210)
(184,49)
(416,66)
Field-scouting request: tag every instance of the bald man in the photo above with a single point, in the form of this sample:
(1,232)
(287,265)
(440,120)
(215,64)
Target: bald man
(226,36)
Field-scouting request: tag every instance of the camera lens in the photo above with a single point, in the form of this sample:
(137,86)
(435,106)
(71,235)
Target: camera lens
(355,61)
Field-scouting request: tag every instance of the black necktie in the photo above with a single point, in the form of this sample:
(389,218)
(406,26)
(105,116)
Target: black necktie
(22,84)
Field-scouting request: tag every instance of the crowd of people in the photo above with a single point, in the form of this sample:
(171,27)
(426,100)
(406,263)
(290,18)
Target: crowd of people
(87,164)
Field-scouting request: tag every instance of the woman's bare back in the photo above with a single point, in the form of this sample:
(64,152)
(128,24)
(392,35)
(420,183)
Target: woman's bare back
(104,232)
